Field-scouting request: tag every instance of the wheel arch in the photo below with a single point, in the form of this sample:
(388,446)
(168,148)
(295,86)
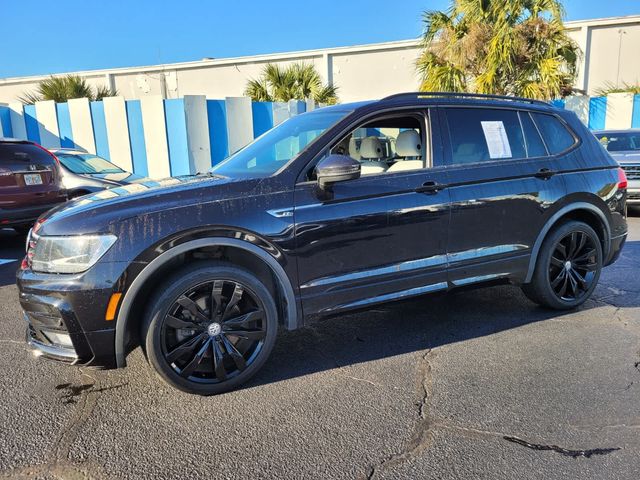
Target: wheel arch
(583,211)
(124,323)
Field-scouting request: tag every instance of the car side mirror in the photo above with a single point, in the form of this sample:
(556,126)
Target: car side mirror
(336,168)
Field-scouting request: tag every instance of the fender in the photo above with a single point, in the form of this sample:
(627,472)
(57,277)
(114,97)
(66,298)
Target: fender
(554,219)
(291,319)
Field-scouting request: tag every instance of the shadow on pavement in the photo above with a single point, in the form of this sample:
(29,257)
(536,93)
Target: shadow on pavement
(424,323)
(11,254)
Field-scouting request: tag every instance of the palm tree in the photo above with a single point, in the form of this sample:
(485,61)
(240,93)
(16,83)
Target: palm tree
(61,89)
(516,47)
(297,81)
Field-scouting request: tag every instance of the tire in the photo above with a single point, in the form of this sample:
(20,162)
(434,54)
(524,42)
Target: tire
(568,267)
(188,330)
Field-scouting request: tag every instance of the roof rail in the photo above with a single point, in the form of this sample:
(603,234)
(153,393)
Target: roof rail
(467,95)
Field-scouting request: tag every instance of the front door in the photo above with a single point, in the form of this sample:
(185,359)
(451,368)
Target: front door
(380,237)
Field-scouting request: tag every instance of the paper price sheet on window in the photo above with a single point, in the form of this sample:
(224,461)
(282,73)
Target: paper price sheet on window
(497,140)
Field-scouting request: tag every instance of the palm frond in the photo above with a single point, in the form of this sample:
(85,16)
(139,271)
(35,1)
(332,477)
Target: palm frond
(102,92)
(296,81)
(503,47)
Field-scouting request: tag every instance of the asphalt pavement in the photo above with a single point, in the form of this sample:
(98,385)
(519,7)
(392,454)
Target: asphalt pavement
(472,384)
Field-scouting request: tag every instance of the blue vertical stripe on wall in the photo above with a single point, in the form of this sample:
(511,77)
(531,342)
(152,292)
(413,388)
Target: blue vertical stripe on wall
(5,121)
(635,117)
(31,123)
(218,139)
(597,112)
(558,102)
(262,117)
(136,138)
(64,125)
(100,129)
(176,125)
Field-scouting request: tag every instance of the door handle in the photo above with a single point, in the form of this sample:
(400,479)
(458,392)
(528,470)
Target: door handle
(430,187)
(545,173)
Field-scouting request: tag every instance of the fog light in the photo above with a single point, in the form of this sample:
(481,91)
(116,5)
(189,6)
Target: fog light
(61,339)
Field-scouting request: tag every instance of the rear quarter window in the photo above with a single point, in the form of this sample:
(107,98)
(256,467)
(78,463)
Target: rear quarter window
(554,133)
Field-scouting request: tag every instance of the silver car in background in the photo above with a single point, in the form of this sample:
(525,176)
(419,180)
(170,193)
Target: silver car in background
(624,147)
(84,173)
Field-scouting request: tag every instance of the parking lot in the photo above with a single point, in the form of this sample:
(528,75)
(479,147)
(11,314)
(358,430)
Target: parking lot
(466,385)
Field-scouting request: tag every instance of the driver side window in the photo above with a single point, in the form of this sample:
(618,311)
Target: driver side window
(386,145)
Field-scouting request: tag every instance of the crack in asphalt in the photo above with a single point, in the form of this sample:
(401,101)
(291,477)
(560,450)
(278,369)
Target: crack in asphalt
(422,432)
(563,451)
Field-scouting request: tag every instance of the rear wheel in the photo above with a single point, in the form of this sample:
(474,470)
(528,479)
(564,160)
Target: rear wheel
(568,267)
(210,327)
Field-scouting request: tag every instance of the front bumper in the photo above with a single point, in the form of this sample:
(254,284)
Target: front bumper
(65,314)
(45,347)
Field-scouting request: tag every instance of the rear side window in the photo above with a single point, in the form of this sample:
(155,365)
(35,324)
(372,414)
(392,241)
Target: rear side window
(535,145)
(555,134)
(481,135)
(24,153)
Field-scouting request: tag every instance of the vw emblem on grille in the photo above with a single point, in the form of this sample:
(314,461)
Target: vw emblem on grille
(214,329)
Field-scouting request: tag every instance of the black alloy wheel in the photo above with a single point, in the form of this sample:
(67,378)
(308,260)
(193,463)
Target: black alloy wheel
(573,266)
(568,267)
(212,329)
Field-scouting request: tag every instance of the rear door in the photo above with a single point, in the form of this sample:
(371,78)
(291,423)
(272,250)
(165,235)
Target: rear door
(501,181)
(29,176)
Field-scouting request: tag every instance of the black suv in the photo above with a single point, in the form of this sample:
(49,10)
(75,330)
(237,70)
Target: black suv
(337,209)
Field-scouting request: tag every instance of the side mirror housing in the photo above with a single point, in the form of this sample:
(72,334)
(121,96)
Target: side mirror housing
(336,168)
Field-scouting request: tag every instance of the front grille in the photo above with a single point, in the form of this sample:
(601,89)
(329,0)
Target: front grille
(633,195)
(632,171)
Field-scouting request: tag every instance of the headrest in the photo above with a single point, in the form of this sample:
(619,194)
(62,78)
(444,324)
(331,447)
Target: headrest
(370,147)
(354,150)
(408,144)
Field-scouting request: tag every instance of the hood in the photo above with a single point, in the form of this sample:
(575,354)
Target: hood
(629,157)
(97,212)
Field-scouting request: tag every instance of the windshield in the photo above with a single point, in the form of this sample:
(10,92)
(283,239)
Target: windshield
(87,163)
(271,151)
(620,141)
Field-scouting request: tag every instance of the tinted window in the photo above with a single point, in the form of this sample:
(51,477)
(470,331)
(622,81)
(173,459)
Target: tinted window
(535,146)
(87,163)
(620,141)
(24,153)
(554,133)
(480,134)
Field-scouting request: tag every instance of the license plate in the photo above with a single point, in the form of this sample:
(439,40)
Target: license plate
(33,179)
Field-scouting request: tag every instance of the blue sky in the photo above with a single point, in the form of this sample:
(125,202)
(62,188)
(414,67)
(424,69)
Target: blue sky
(44,36)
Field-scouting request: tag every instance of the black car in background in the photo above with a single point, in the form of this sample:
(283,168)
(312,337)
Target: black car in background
(337,209)
(30,183)
(84,173)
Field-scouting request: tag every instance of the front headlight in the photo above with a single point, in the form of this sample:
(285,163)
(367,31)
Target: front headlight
(68,254)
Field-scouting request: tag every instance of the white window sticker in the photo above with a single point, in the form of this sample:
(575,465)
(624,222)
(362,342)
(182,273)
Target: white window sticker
(497,140)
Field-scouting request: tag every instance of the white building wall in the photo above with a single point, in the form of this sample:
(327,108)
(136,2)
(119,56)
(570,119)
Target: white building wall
(375,74)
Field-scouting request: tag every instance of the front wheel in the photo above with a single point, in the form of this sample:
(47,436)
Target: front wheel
(568,267)
(210,327)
